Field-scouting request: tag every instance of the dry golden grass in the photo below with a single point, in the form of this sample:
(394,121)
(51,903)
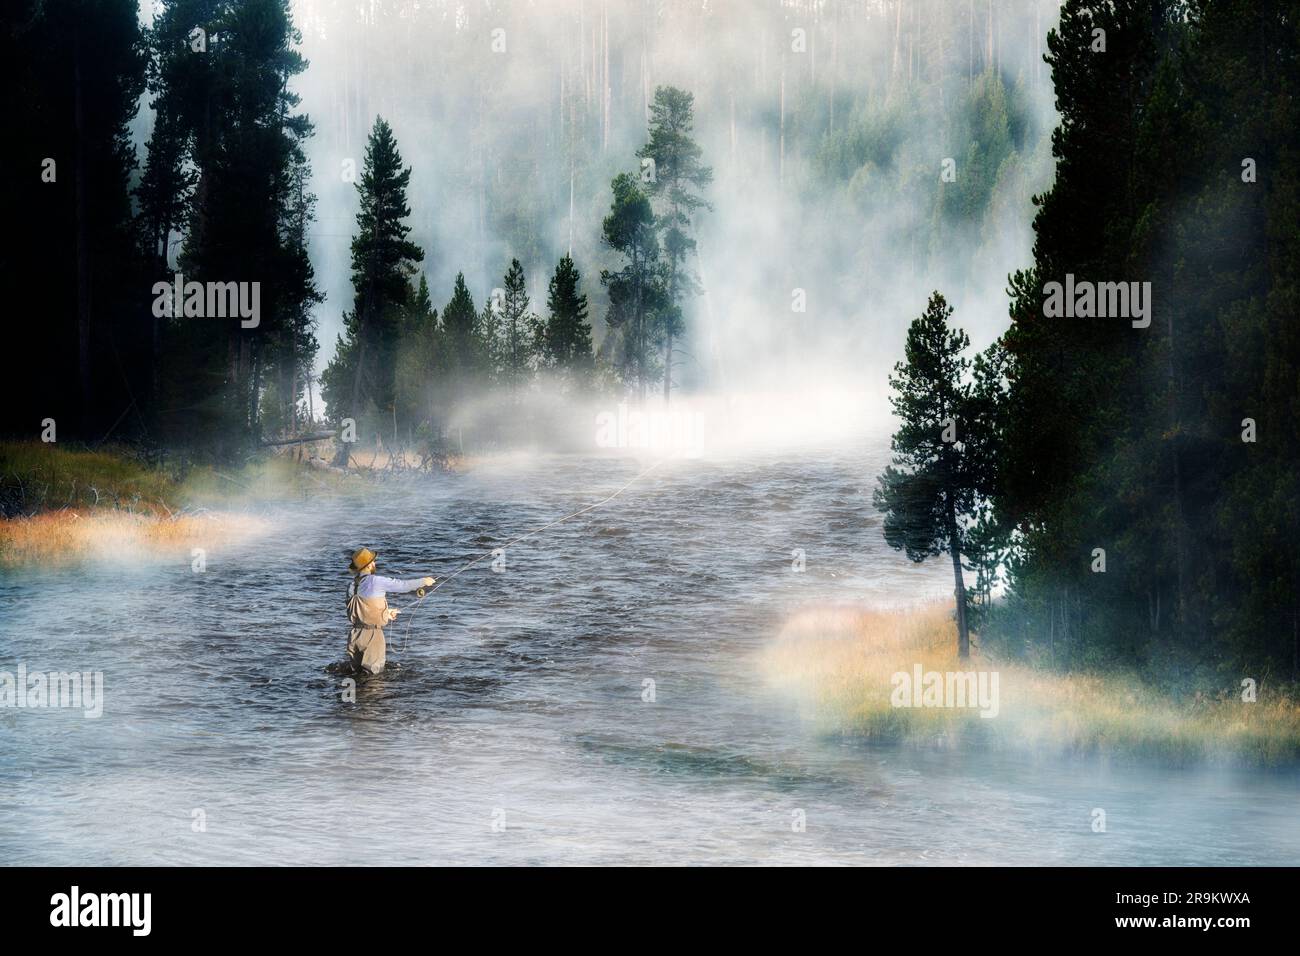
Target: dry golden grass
(382,460)
(68,537)
(838,664)
(69,504)
(72,505)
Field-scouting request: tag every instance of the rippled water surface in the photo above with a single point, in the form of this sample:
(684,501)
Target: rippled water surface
(518,698)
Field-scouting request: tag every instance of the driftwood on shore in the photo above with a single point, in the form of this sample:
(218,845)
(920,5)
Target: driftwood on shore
(317,451)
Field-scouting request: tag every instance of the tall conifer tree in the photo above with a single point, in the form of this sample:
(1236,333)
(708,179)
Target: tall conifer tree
(359,380)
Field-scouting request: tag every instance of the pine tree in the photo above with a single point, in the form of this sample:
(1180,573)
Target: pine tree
(226,169)
(360,377)
(565,344)
(489,336)
(678,178)
(636,291)
(292,344)
(421,367)
(515,352)
(461,333)
(936,484)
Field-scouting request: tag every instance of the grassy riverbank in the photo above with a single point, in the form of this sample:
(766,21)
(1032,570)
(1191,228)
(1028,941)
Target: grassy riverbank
(67,505)
(839,664)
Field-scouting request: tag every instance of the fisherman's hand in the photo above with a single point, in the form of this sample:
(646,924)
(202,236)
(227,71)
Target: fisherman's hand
(428,582)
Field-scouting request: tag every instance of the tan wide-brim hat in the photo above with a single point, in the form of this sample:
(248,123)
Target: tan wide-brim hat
(361,559)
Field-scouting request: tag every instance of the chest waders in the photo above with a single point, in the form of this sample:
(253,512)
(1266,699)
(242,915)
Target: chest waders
(366,647)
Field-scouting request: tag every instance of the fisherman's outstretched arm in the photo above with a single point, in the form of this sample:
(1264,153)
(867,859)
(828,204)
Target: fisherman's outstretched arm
(395,586)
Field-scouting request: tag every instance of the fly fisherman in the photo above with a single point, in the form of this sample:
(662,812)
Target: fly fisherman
(368,610)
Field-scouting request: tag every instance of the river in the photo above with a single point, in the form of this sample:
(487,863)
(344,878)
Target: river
(520,725)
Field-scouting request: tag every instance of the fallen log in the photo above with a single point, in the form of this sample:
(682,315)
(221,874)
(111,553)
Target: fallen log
(297,441)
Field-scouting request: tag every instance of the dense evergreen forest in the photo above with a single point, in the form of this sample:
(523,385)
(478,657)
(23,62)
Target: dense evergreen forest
(1132,478)
(198,158)
(219,191)
(1173,447)
(607,214)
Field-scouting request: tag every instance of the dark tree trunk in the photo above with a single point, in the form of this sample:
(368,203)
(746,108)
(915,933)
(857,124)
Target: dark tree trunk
(255,389)
(668,367)
(959,591)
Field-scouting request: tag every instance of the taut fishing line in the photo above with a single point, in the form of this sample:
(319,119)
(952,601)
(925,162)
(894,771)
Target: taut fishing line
(425,592)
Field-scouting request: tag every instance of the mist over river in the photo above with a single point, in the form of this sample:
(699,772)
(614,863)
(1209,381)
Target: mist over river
(515,729)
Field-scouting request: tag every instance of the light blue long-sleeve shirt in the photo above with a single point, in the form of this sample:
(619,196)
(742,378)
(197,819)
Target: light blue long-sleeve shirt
(374,585)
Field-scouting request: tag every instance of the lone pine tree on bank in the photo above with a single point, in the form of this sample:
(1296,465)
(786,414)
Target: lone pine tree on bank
(938,482)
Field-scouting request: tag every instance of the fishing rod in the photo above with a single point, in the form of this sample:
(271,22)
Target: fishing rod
(423,592)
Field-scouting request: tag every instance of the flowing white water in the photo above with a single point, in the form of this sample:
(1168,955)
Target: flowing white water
(519,700)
